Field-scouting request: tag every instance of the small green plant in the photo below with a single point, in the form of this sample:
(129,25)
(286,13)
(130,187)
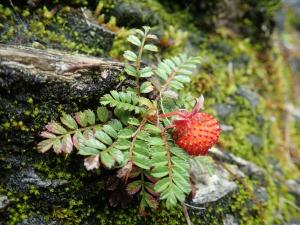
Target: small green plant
(131,133)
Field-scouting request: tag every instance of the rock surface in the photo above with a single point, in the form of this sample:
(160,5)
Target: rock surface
(4,201)
(211,188)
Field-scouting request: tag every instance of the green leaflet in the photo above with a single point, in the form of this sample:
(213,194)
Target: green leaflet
(173,175)
(94,143)
(140,32)
(122,144)
(176,71)
(102,114)
(107,159)
(179,153)
(131,70)
(110,131)
(127,101)
(160,171)
(141,154)
(152,36)
(151,47)
(146,72)
(55,128)
(91,119)
(156,141)
(146,87)
(134,40)
(143,135)
(162,185)
(130,56)
(68,121)
(82,119)
(183,79)
(125,133)
(152,129)
(85,150)
(44,145)
(134,121)
(134,187)
(116,124)
(103,137)
(117,155)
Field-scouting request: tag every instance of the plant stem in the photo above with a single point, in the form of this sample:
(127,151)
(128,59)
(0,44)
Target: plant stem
(138,64)
(168,114)
(186,215)
(165,86)
(143,181)
(73,131)
(134,137)
(163,135)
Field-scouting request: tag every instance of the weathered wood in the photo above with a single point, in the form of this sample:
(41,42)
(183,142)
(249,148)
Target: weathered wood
(52,62)
(45,82)
(35,67)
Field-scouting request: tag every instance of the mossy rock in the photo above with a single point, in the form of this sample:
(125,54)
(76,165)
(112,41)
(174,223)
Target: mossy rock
(63,28)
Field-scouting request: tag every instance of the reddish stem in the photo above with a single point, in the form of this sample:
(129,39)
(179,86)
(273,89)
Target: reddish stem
(175,113)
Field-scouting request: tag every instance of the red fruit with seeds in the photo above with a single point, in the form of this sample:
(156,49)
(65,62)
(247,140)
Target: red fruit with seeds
(195,132)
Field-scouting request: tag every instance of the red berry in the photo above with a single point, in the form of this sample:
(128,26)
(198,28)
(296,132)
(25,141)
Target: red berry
(196,133)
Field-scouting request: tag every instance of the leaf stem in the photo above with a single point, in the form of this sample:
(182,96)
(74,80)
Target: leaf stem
(134,137)
(73,131)
(142,182)
(167,83)
(186,215)
(138,64)
(167,146)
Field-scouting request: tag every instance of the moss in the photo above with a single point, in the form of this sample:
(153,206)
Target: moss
(55,29)
(19,207)
(120,44)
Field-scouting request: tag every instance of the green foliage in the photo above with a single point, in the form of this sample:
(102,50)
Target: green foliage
(175,72)
(128,101)
(130,136)
(172,172)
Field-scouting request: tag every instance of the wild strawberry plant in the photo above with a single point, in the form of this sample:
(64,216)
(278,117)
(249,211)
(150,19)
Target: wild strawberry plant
(131,131)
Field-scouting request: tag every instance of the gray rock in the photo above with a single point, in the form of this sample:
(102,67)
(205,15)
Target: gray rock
(294,188)
(255,140)
(251,96)
(4,202)
(295,4)
(226,128)
(230,220)
(36,220)
(89,32)
(211,188)
(26,177)
(261,194)
(245,166)
(294,221)
(134,15)
(223,110)
(293,110)
(79,28)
